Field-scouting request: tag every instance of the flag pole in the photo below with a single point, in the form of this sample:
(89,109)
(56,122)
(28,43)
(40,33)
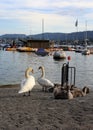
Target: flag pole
(76,24)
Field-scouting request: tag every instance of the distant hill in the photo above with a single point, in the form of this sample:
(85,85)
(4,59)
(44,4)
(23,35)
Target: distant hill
(13,36)
(53,36)
(64,36)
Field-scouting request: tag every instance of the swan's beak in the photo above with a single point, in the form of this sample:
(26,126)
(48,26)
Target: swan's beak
(32,71)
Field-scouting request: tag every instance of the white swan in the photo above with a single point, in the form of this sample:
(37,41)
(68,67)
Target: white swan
(45,83)
(28,83)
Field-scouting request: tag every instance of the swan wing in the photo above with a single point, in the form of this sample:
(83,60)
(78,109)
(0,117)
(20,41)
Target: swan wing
(22,83)
(45,82)
(27,85)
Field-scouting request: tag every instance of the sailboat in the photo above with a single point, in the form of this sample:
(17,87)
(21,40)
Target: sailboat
(78,48)
(86,51)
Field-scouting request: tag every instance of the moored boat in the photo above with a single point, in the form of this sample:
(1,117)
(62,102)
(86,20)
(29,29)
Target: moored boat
(24,49)
(59,55)
(86,52)
(91,49)
(42,52)
(79,49)
(10,49)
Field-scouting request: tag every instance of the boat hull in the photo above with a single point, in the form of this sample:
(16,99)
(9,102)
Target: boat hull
(59,55)
(86,52)
(10,49)
(24,49)
(41,52)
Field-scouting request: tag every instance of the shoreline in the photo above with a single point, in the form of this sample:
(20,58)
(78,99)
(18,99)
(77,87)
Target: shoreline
(9,85)
(41,111)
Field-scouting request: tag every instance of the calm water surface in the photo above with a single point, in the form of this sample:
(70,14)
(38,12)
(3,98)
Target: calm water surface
(14,64)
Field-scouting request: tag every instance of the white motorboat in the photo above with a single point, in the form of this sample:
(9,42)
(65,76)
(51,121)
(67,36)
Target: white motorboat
(59,55)
(79,49)
(85,51)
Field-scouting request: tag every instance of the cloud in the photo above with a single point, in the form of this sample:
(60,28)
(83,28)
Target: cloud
(59,15)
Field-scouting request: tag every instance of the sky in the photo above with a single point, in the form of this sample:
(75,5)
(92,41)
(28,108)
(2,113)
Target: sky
(36,16)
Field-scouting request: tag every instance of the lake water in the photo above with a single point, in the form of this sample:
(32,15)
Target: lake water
(14,64)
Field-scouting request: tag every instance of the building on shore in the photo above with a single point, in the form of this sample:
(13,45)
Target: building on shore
(39,44)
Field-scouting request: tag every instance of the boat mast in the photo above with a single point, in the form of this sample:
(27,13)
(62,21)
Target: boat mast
(86,35)
(42,29)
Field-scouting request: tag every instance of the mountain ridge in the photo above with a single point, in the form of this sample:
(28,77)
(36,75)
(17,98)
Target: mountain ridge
(54,36)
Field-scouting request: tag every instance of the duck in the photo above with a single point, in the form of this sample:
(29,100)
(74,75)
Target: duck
(69,93)
(85,90)
(58,92)
(77,92)
(61,93)
(28,83)
(44,82)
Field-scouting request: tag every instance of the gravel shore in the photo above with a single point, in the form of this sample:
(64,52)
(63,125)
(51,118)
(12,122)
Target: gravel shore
(40,111)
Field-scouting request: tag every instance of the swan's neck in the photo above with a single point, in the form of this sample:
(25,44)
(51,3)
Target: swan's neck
(27,73)
(43,73)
